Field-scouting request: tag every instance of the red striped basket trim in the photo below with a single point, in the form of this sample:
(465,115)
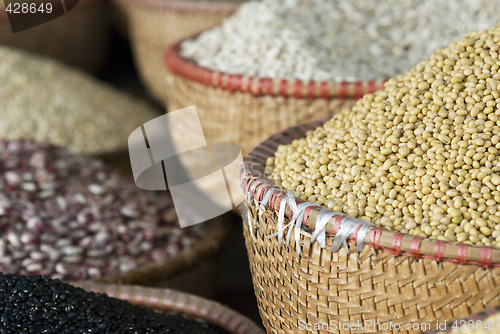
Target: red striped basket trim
(396,243)
(265,86)
(415,246)
(378,238)
(337,223)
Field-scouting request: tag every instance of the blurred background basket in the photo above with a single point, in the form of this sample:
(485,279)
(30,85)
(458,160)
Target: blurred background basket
(395,278)
(194,270)
(245,110)
(78,38)
(153,24)
(179,303)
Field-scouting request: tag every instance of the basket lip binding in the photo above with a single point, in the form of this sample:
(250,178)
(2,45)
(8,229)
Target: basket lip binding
(255,185)
(179,302)
(256,86)
(201,6)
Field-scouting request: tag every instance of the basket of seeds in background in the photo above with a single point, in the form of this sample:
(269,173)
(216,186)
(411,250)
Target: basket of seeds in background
(79,37)
(154,24)
(47,101)
(388,213)
(75,218)
(33,303)
(272,65)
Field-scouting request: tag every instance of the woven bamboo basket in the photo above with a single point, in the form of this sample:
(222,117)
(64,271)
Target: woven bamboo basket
(179,303)
(153,24)
(484,322)
(394,278)
(246,110)
(78,38)
(194,270)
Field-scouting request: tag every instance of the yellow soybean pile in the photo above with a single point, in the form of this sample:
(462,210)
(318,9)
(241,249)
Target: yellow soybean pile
(420,157)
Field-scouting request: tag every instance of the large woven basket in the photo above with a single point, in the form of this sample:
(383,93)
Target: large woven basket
(153,24)
(194,270)
(246,110)
(78,38)
(179,303)
(395,278)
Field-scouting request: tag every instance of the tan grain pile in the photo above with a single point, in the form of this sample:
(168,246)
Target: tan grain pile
(43,100)
(420,157)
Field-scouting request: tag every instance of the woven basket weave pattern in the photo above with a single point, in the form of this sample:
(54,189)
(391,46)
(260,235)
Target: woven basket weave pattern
(382,283)
(245,110)
(319,286)
(241,118)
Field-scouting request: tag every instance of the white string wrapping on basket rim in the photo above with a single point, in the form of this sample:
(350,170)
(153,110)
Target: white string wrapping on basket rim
(348,225)
(296,221)
(263,203)
(247,212)
(319,232)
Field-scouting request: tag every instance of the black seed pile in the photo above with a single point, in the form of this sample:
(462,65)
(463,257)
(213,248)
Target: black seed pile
(37,304)
(74,218)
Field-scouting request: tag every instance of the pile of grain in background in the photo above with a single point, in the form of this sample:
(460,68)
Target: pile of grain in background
(47,101)
(336,40)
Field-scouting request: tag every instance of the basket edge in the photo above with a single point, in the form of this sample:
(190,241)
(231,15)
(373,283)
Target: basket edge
(256,86)
(252,177)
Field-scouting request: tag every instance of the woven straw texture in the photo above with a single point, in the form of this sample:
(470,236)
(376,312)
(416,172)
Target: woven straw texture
(152,25)
(245,110)
(180,303)
(183,271)
(395,277)
(78,38)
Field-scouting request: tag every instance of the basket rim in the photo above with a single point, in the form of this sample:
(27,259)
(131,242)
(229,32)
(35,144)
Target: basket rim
(252,177)
(259,86)
(81,3)
(179,302)
(186,5)
(208,246)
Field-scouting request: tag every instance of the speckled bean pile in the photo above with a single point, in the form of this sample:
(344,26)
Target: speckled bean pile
(335,40)
(73,218)
(420,157)
(44,100)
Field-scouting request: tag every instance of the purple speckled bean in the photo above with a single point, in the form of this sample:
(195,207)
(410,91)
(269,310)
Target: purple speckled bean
(73,218)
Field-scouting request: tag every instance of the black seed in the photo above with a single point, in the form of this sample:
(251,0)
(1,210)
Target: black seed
(37,304)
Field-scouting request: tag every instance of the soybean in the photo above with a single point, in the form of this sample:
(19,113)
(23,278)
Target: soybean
(430,145)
